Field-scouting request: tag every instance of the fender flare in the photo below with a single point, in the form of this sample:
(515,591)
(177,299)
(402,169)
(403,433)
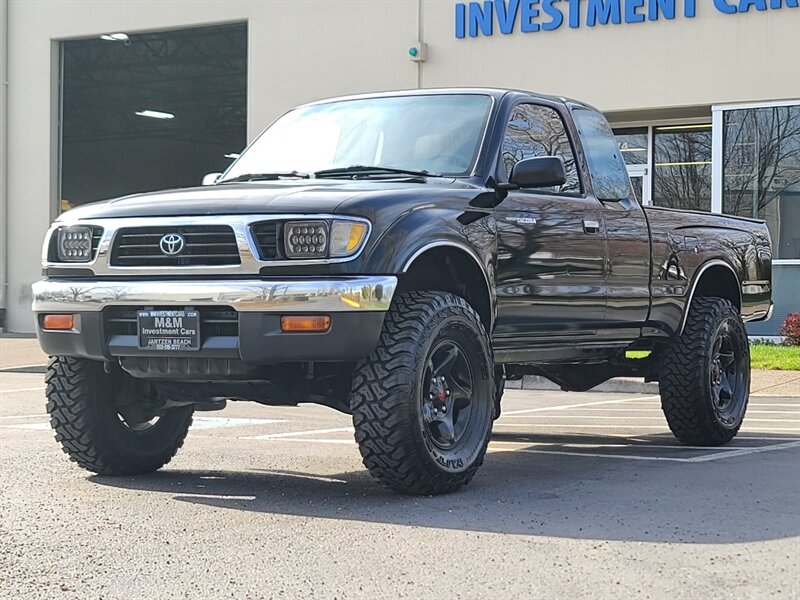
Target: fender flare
(464,248)
(696,279)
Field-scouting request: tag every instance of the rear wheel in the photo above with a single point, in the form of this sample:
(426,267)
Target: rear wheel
(109,424)
(424,400)
(705,375)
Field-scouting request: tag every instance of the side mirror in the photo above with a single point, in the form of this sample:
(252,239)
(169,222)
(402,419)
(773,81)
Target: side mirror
(211,178)
(540,172)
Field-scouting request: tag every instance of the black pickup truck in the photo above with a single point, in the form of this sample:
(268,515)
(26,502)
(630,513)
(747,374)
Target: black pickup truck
(395,256)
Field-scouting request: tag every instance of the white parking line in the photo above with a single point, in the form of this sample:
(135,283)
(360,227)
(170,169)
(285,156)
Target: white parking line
(198,423)
(30,389)
(33,426)
(291,434)
(745,451)
(581,405)
(657,410)
(304,440)
(655,416)
(663,427)
(216,422)
(694,459)
(37,416)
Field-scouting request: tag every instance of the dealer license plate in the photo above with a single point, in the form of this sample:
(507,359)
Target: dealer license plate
(169,330)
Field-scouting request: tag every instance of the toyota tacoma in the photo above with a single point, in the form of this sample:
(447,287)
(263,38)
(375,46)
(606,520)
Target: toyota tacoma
(397,257)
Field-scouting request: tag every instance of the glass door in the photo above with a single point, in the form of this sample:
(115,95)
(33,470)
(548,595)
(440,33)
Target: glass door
(640,181)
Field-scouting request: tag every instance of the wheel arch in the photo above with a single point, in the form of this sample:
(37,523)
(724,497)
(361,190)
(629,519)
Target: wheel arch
(715,278)
(450,267)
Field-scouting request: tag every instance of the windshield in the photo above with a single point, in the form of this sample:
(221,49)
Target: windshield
(438,134)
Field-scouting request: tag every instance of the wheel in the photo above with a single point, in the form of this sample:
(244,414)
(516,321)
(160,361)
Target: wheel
(424,400)
(107,423)
(705,375)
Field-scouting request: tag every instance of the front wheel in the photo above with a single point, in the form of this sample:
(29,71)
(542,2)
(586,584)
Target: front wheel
(107,423)
(705,375)
(424,400)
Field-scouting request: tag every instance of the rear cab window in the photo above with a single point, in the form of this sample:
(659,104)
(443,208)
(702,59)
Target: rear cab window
(607,169)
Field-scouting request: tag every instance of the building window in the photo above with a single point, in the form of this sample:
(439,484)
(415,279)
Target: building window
(761,171)
(633,145)
(682,173)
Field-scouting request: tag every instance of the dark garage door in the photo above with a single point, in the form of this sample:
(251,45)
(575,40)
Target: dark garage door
(148,111)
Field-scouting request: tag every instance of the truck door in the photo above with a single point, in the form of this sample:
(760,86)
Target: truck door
(627,232)
(551,244)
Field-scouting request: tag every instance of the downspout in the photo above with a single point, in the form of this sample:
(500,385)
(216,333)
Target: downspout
(4,28)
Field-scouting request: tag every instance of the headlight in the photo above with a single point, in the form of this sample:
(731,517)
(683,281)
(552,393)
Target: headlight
(75,244)
(306,239)
(321,239)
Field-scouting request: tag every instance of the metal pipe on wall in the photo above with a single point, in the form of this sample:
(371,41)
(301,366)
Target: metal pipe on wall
(3,160)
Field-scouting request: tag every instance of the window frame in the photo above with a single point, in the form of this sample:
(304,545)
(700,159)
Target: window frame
(718,147)
(500,171)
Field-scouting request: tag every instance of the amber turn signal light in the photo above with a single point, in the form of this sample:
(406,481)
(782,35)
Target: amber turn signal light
(305,323)
(58,322)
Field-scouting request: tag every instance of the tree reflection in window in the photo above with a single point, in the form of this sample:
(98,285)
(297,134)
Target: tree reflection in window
(682,174)
(761,171)
(534,131)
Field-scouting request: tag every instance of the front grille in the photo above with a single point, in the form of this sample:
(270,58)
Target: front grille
(267,235)
(205,245)
(214,320)
(97,234)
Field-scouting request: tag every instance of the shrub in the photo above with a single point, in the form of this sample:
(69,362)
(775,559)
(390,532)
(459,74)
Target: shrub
(790,329)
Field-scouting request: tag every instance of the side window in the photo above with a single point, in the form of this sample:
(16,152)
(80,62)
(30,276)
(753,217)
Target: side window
(534,131)
(606,165)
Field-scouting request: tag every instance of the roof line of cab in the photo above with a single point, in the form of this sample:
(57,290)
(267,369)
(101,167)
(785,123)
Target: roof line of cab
(496,93)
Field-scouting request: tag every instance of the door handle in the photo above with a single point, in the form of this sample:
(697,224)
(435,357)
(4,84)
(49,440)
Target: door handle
(591,226)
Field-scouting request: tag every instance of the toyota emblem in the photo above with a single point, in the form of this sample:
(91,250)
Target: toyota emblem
(172,244)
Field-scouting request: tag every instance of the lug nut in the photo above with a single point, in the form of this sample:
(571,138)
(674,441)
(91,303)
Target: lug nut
(447,392)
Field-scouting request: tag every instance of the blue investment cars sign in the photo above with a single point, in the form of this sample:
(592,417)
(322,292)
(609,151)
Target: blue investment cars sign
(481,18)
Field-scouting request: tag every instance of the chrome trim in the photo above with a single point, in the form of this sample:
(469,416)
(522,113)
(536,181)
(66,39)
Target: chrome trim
(251,264)
(468,250)
(695,281)
(761,315)
(340,294)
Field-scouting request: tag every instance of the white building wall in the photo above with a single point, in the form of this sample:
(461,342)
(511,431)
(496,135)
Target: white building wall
(300,50)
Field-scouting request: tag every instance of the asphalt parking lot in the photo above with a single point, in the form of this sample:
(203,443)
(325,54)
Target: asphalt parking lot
(581,496)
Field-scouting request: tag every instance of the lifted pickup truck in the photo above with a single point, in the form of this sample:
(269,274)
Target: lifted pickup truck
(395,256)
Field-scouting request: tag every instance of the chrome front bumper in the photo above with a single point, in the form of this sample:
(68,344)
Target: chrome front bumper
(341,294)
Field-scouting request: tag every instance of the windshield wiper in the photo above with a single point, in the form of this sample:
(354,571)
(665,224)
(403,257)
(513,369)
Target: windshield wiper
(366,170)
(266,176)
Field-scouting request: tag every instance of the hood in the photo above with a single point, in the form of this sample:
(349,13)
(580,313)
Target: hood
(274,197)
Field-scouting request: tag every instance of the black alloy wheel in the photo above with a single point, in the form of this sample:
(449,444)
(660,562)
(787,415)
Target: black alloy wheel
(729,367)
(447,408)
(704,377)
(424,401)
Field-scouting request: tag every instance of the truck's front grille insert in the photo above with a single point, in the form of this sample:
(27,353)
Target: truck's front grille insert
(267,235)
(181,246)
(214,320)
